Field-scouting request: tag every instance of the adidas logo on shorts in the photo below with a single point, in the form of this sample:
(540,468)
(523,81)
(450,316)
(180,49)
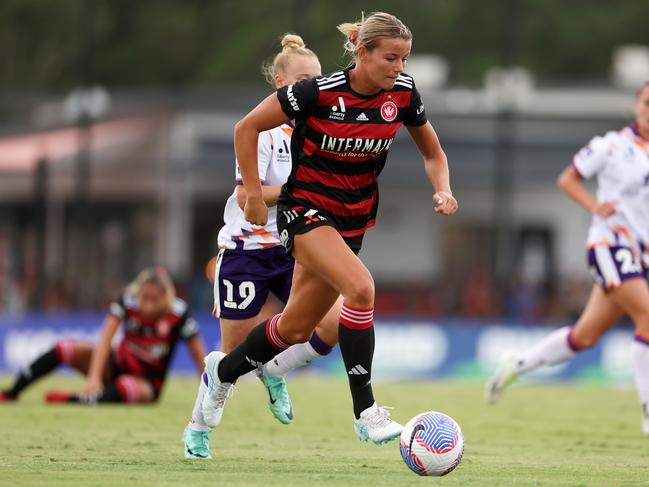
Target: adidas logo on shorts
(362,117)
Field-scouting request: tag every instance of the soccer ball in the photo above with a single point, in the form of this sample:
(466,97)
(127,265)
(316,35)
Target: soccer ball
(432,443)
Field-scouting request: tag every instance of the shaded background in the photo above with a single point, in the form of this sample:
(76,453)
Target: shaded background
(116,144)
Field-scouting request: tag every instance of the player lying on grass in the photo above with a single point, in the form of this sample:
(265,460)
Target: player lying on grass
(154,321)
(252,262)
(617,254)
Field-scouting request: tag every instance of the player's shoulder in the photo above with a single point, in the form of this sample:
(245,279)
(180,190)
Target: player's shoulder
(270,138)
(614,135)
(330,81)
(405,81)
(605,141)
(276,133)
(179,307)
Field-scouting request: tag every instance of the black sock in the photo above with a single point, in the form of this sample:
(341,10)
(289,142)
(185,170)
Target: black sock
(256,350)
(43,365)
(357,349)
(110,394)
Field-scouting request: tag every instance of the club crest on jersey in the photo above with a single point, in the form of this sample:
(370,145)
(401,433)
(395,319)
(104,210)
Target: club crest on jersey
(163,327)
(389,111)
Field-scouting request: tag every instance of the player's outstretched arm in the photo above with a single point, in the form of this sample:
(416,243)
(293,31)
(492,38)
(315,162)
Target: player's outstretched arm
(570,182)
(197,350)
(265,116)
(436,166)
(99,358)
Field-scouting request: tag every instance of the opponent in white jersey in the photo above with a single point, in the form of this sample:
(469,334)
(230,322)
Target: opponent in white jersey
(252,263)
(274,160)
(617,238)
(620,162)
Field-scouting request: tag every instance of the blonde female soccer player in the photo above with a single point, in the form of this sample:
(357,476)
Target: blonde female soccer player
(345,124)
(154,321)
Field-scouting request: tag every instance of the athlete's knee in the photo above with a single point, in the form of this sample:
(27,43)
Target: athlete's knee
(293,335)
(66,350)
(131,390)
(360,292)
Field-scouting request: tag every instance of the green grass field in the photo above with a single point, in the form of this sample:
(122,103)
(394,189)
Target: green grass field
(539,435)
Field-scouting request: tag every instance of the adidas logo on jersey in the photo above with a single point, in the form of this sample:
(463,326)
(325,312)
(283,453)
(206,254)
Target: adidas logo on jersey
(362,117)
(358,370)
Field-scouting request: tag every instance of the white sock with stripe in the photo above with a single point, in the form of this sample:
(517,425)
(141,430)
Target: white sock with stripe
(554,349)
(298,355)
(197,423)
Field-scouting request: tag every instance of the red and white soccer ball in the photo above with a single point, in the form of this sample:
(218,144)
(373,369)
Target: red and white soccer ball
(432,444)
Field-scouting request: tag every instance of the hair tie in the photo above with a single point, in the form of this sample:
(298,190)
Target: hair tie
(353,37)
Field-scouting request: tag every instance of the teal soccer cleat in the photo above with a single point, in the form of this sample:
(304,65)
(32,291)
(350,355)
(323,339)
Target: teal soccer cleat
(197,445)
(279,402)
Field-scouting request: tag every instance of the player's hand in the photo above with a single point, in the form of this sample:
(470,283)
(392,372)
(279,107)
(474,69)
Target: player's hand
(255,211)
(445,203)
(92,389)
(242,196)
(604,209)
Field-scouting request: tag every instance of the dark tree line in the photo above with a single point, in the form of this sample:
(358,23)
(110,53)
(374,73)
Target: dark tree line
(53,45)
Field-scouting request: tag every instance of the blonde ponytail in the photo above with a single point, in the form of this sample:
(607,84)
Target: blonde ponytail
(367,32)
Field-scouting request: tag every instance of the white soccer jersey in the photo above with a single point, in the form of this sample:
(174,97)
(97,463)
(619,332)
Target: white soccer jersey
(620,160)
(274,161)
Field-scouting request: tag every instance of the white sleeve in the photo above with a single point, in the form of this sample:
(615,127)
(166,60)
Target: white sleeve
(264,155)
(592,158)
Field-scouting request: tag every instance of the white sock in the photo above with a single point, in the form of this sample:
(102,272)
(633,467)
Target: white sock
(552,350)
(640,356)
(197,423)
(293,357)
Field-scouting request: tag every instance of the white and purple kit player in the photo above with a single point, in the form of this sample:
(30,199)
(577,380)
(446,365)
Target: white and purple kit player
(616,252)
(252,263)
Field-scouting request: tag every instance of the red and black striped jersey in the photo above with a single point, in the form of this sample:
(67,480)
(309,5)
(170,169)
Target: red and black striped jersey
(340,145)
(148,345)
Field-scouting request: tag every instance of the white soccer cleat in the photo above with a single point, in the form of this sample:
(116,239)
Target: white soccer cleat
(504,376)
(217,392)
(645,419)
(375,424)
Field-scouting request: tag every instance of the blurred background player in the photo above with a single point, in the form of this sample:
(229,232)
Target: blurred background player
(252,261)
(154,321)
(345,124)
(617,252)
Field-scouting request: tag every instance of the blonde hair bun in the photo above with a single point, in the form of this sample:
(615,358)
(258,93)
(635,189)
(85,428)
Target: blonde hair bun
(292,44)
(292,41)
